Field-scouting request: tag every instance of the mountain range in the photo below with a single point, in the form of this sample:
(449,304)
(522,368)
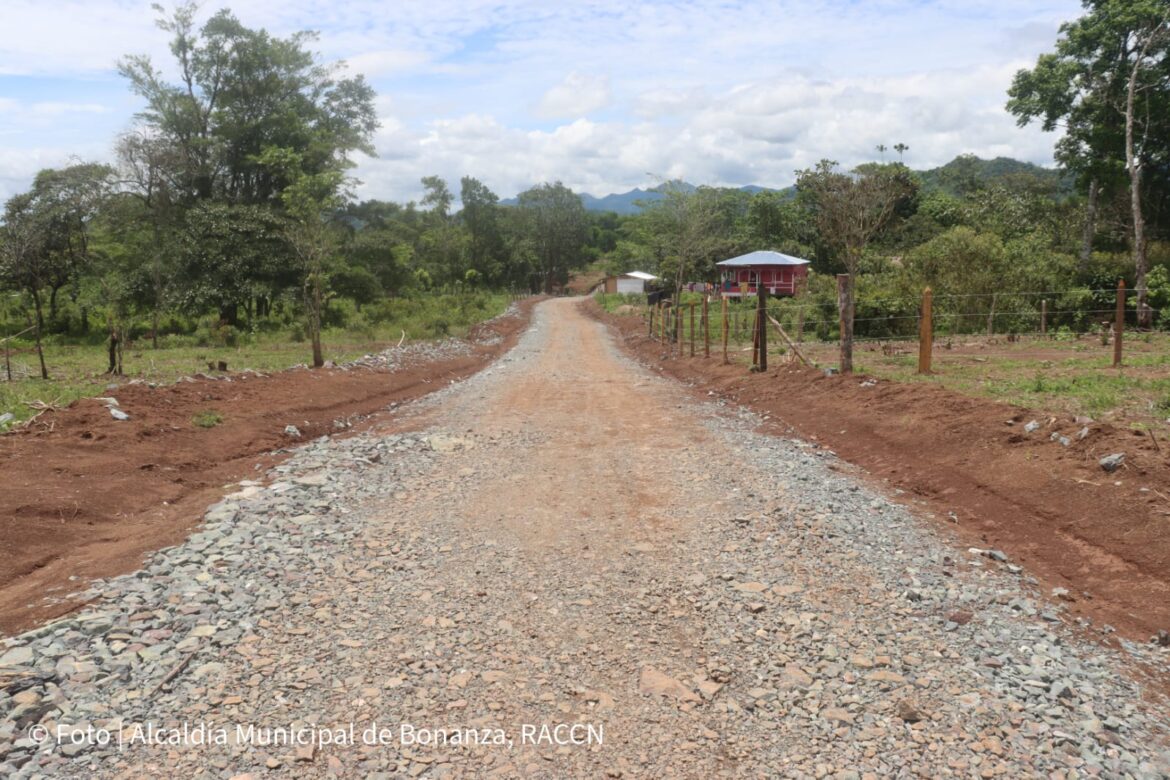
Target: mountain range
(964,170)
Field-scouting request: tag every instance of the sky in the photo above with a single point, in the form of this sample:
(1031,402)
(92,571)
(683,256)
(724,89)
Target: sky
(602,95)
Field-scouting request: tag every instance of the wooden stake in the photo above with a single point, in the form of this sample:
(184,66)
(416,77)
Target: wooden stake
(1043,318)
(789,342)
(756,340)
(725,324)
(799,296)
(762,325)
(692,307)
(651,321)
(846,305)
(991,315)
(926,332)
(706,329)
(1119,324)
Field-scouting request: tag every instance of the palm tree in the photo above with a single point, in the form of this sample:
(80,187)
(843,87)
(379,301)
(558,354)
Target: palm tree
(882,151)
(901,149)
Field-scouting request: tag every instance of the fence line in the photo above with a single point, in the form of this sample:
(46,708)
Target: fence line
(742,320)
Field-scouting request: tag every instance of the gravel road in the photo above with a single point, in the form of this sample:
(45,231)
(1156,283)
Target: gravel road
(566,566)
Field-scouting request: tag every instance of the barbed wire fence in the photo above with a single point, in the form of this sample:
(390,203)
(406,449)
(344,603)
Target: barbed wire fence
(995,316)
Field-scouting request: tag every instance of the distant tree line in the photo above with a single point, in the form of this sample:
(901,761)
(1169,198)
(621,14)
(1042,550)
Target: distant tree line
(230,198)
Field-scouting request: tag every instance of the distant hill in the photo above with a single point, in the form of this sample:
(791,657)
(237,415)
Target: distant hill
(627,202)
(967,171)
(956,177)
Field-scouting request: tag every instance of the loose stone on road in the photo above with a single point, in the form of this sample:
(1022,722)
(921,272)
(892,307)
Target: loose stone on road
(574,559)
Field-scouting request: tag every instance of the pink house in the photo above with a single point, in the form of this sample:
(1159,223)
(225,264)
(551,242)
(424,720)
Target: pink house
(780,274)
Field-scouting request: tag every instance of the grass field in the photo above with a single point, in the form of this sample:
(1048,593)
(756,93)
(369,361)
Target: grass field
(1061,374)
(77,370)
(1071,376)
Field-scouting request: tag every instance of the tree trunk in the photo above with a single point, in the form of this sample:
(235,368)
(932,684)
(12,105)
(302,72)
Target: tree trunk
(1134,167)
(1090,229)
(53,303)
(36,296)
(229,314)
(113,352)
(37,334)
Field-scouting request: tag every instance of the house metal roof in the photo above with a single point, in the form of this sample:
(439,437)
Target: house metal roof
(762,257)
(641,275)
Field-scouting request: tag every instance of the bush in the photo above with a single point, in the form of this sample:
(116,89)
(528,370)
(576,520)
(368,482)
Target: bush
(209,418)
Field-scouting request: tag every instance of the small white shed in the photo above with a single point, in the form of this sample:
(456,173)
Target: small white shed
(632,282)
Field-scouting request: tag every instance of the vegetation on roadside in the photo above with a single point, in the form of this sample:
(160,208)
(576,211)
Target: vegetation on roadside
(208,418)
(227,219)
(78,367)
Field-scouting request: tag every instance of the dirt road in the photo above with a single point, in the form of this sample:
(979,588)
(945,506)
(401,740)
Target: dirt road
(582,566)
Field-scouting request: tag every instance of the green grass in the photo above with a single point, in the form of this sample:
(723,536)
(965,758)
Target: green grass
(611,302)
(1073,377)
(209,418)
(77,370)
(1063,374)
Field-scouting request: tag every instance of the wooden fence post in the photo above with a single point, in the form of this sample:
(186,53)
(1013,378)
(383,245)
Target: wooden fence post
(651,308)
(1119,324)
(925,333)
(762,327)
(801,289)
(692,308)
(723,305)
(673,313)
(846,306)
(706,328)
(1043,318)
(755,338)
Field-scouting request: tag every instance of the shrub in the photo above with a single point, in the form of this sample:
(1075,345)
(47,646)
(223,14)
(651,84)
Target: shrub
(208,418)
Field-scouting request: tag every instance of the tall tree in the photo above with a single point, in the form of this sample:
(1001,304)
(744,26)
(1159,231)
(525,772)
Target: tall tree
(850,210)
(22,259)
(241,91)
(47,234)
(689,230)
(481,217)
(1108,86)
(556,226)
(147,167)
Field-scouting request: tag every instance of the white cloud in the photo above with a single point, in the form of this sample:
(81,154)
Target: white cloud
(386,61)
(576,96)
(597,94)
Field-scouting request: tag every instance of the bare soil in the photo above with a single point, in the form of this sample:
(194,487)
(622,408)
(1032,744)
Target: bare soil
(87,496)
(1103,537)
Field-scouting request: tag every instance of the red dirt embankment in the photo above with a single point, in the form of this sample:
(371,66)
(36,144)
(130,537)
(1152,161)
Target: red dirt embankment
(1104,537)
(86,496)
